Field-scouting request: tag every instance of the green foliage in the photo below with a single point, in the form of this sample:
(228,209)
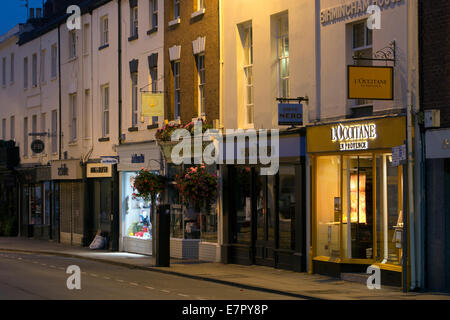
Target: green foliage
(198,187)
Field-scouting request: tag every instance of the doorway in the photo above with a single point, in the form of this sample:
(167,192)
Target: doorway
(264,212)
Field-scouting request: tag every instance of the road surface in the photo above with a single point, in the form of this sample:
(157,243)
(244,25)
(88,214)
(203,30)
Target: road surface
(43,277)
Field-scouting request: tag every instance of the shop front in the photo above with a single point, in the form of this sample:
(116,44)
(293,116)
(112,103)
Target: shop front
(264,215)
(69,194)
(357,197)
(9,189)
(437,193)
(193,233)
(136,216)
(102,213)
(38,203)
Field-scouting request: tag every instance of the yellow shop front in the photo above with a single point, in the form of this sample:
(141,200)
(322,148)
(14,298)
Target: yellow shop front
(357,197)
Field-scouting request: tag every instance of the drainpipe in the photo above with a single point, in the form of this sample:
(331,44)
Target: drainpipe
(412,24)
(221,122)
(59,89)
(221,64)
(119,26)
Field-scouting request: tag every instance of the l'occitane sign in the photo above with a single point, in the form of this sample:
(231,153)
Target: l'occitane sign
(371,134)
(374,83)
(354,137)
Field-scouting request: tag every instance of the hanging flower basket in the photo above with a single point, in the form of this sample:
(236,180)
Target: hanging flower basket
(164,137)
(147,185)
(197,187)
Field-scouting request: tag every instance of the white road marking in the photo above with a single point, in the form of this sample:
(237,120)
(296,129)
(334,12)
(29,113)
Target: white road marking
(133,283)
(183,295)
(151,288)
(107,278)
(119,280)
(43,264)
(166,291)
(94,275)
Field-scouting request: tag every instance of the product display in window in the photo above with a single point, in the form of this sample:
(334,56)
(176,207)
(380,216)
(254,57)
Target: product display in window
(138,222)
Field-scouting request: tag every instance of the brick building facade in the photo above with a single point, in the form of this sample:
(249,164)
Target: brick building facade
(434,18)
(435,57)
(193,32)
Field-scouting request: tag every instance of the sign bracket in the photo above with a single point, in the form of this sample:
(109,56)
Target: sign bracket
(387,54)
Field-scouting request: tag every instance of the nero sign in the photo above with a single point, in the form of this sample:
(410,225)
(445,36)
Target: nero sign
(290,114)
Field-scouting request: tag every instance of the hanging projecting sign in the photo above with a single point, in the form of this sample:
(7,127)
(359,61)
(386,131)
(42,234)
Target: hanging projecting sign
(290,114)
(373,83)
(37,146)
(152,104)
(98,170)
(110,160)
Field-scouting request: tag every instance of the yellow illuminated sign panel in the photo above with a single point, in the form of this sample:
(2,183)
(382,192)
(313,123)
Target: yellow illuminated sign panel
(374,83)
(381,133)
(152,104)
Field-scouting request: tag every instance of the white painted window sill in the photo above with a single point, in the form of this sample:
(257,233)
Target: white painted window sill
(198,13)
(174,22)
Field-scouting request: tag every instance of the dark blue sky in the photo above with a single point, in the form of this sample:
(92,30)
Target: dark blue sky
(13,12)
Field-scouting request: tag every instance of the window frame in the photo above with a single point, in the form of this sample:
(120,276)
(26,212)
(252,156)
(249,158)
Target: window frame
(25,137)
(134,99)
(72,44)
(25,73)
(177,89)
(54,57)
(134,21)
(12,128)
(73,117)
(42,65)
(176,9)
(283,80)
(104,31)
(4,63)
(4,129)
(34,76)
(105,110)
(247,68)
(54,135)
(201,74)
(153,14)
(154,79)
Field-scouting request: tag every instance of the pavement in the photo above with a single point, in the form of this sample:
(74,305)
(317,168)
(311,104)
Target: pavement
(264,279)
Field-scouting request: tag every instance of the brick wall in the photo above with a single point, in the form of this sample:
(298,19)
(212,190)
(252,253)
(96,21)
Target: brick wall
(183,35)
(434,20)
